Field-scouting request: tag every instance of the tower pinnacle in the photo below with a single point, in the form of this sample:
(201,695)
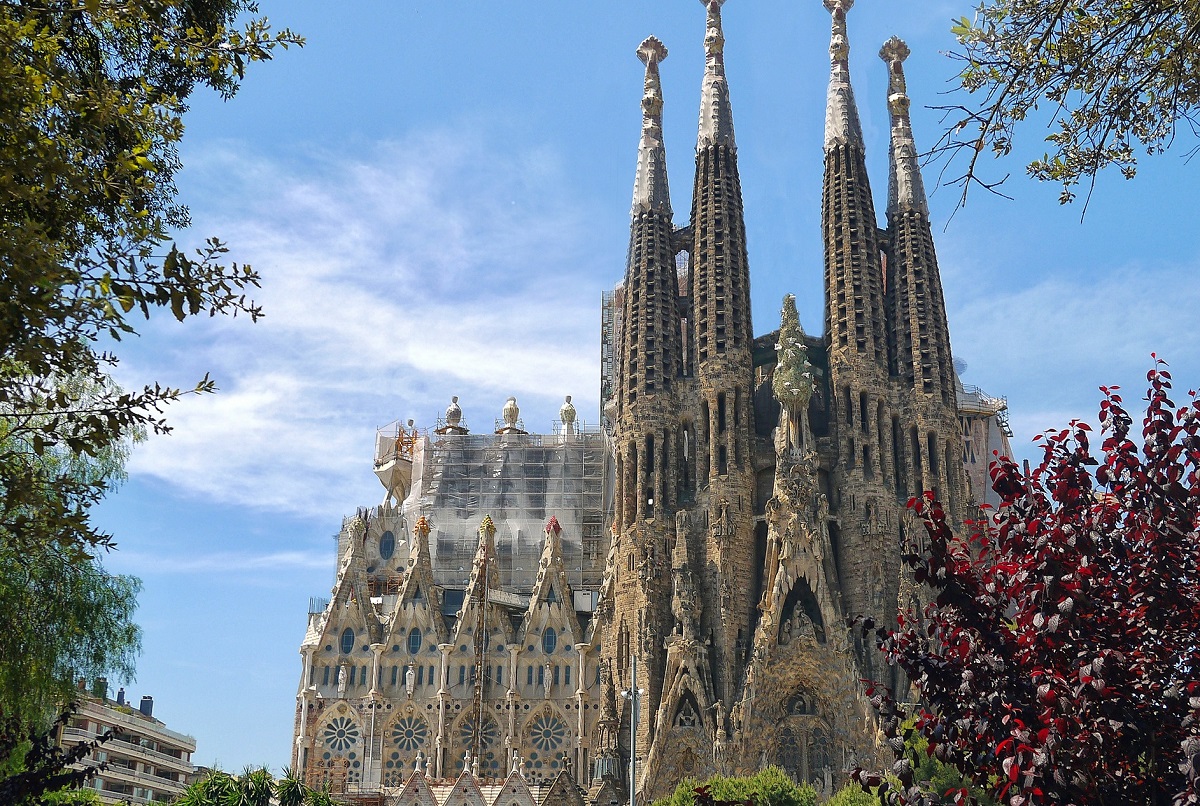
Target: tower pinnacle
(906,190)
(716,114)
(841,114)
(650,191)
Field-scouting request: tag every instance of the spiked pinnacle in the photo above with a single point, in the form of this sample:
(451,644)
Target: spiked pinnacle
(906,190)
(841,114)
(716,114)
(650,191)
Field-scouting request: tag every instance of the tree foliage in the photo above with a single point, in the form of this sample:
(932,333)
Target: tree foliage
(36,771)
(768,787)
(254,787)
(1115,78)
(92,94)
(1059,662)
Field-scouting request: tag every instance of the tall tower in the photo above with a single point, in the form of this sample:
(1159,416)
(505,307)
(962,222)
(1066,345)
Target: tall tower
(861,406)
(930,453)
(724,373)
(647,418)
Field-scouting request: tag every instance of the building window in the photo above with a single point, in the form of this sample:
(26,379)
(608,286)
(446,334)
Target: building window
(347,641)
(395,674)
(462,675)
(387,545)
(567,675)
(325,677)
(541,675)
(353,670)
(549,641)
(421,676)
(414,641)
(529,675)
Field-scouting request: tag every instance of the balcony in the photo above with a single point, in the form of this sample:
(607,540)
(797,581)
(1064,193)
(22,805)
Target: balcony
(130,749)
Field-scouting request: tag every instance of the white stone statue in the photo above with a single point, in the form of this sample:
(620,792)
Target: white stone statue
(410,681)
(567,415)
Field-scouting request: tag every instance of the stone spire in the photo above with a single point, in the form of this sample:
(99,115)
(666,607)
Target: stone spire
(841,113)
(716,115)
(722,414)
(650,191)
(916,308)
(906,190)
(854,317)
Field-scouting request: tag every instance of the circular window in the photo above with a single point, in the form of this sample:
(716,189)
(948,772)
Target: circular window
(549,640)
(547,732)
(490,760)
(387,545)
(340,734)
(347,641)
(414,641)
(410,733)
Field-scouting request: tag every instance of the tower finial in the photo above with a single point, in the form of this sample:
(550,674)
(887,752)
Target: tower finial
(841,114)
(650,191)
(906,190)
(716,114)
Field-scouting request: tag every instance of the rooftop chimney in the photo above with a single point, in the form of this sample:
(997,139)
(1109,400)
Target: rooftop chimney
(147,706)
(100,688)
(121,696)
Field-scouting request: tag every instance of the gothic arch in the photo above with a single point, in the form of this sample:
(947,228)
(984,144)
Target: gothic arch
(407,736)
(687,712)
(492,758)
(338,746)
(546,737)
(801,606)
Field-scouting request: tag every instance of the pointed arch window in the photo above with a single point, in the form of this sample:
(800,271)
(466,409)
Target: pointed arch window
(414,641)
(387,545)
(549,641)
(347,641)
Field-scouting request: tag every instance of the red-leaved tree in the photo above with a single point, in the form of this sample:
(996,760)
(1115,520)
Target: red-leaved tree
(1059,659)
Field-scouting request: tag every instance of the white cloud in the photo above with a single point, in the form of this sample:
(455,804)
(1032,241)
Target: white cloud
(1050,345)
(426,268)
(224,562)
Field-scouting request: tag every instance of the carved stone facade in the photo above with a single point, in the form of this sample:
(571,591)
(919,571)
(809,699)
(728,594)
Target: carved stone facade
(761,484)
(752,500)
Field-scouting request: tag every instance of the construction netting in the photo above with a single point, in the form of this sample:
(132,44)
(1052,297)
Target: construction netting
(521,481)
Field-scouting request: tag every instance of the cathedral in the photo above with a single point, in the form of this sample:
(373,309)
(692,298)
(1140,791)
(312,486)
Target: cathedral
(599,611)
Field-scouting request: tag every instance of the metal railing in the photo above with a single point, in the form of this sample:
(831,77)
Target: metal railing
(128,747)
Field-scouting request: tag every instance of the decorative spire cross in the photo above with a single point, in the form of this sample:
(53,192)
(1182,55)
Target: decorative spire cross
(716,114)
(841,114)
(906,190)
(650,191)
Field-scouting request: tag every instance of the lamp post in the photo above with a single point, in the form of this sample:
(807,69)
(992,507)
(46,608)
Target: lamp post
(634,695)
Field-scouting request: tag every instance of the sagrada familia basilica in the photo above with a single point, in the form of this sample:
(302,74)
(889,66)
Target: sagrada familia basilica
(577,615)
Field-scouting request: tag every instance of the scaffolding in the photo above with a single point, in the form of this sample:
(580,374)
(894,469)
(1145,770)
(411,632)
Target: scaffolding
(520,480)
(610,337)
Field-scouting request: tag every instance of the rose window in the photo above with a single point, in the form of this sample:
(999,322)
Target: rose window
(489,760)
(340,734)
(547,732)
(410,733)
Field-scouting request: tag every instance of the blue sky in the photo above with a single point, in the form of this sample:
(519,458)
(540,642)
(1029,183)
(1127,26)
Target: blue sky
(437,194)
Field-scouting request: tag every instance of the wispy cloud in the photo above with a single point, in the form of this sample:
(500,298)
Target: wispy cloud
(223,562)
(1049,345)
(391,280)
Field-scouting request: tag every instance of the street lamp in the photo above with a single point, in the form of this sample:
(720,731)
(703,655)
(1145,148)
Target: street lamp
(634,695)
